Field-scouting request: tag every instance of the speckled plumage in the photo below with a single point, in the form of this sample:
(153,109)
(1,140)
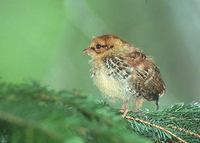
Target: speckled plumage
(120,70)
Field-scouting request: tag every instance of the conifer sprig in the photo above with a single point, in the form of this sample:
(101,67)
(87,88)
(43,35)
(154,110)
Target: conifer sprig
(33,113)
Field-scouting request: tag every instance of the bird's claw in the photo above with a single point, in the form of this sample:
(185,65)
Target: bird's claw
(124,111)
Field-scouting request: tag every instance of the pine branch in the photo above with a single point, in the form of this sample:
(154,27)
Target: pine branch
(31,113)
(156,127)
(34,113)
(178,123)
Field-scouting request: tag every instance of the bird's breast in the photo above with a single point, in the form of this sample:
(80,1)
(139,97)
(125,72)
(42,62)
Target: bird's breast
(109,86)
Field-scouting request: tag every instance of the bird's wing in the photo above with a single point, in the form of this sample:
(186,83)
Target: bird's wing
(146,76)
(118,68)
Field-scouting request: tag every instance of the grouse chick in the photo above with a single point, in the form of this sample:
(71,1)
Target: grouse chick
(121,71)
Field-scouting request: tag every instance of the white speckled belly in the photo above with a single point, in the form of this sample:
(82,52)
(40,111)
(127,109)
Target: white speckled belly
(109,86)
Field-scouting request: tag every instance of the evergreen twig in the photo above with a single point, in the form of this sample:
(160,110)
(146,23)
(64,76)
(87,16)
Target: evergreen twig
(33,112)
(179,123)
(186,131)
(156,126)
(36,114)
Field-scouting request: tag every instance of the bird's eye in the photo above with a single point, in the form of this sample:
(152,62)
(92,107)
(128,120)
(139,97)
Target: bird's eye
(98,46)
(111,46)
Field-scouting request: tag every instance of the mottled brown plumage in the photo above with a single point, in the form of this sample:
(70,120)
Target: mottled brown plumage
(122,71)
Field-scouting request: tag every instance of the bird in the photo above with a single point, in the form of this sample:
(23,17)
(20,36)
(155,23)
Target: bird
(122,71)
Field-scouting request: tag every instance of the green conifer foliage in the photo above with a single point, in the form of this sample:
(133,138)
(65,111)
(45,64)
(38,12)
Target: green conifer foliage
(31,113)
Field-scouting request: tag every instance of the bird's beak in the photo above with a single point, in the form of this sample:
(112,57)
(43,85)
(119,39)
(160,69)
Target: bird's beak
(86,51)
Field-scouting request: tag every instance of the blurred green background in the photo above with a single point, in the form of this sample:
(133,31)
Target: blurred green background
(43,40)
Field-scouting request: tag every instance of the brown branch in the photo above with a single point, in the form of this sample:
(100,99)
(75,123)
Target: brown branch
(156,126)
(186,131)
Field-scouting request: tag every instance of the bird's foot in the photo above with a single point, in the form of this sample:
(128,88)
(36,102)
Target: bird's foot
(124,112)
(121,110)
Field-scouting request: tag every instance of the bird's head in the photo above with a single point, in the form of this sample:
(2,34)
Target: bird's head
(105,45)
